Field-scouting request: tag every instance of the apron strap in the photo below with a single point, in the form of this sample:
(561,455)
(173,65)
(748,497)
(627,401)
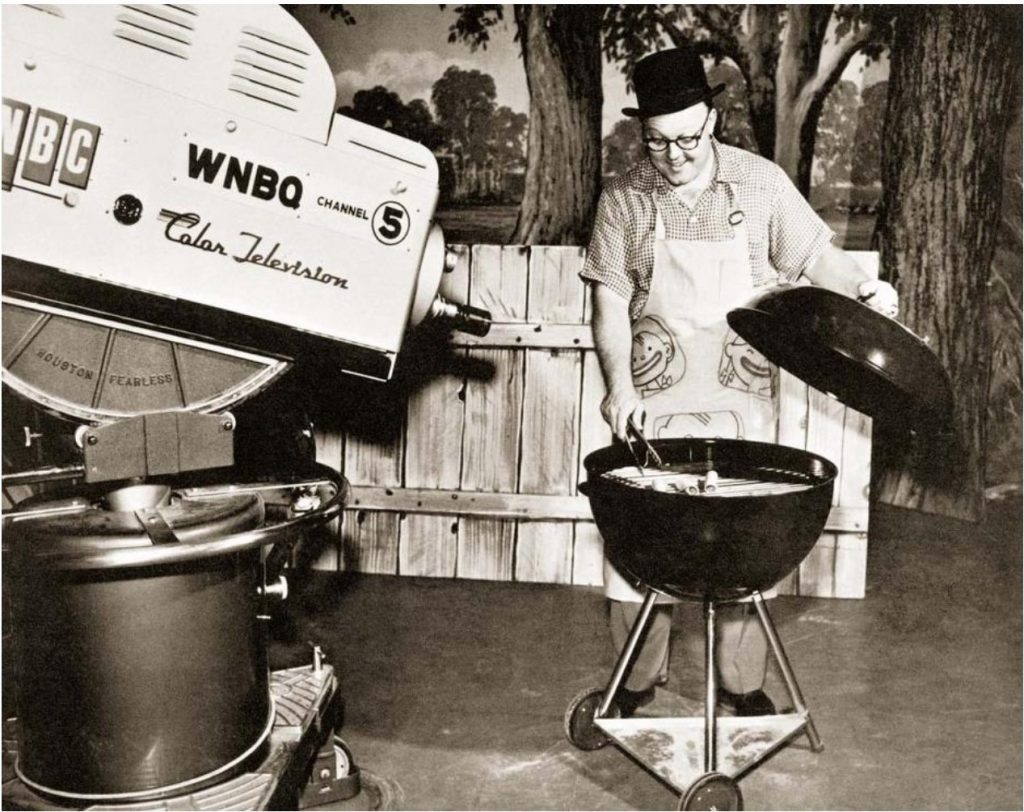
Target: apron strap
(736,215)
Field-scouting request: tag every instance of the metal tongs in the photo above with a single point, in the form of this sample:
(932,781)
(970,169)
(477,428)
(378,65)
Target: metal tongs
(708,483)
(651,457)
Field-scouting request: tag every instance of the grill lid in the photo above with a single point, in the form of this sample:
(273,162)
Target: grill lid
(844,348)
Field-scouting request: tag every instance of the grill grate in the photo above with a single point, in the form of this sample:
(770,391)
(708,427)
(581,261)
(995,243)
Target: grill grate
(776,481)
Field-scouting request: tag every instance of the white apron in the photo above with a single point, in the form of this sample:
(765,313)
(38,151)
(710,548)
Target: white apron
(698,378)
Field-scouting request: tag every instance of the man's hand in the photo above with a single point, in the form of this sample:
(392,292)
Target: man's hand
(619,406)
(838,271)
(880,296)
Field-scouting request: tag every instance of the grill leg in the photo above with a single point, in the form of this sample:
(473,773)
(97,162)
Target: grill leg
(710,687)
(626,657)
(787,671)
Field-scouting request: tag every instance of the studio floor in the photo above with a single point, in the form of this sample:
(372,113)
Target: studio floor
(455,690)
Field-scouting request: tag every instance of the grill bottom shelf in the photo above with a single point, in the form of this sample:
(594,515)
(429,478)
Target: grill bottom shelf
(674,748)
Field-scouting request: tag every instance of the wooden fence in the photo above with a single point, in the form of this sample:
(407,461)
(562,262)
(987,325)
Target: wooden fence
(481,481)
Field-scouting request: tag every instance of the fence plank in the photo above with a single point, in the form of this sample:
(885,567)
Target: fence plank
(486,549)
(793,408)
(594,434)
(588,555)
(490,454)
(851,565)
(855,465)
(371,539)
(551,395)
(498,280)
(817,570)
(429,545)
(853,494)
(330,448)
(836,567)
(825,418)
(433,455)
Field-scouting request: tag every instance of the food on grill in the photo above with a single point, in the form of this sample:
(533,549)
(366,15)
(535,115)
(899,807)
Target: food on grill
(679,479)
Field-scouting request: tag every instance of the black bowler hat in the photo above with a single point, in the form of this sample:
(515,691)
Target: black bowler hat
(668,81)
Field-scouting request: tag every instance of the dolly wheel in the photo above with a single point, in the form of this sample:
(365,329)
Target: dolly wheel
(580,728)
(343,761)
(712,791)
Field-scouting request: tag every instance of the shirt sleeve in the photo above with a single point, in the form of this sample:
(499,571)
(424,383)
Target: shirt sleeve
(606,254)
(797,235)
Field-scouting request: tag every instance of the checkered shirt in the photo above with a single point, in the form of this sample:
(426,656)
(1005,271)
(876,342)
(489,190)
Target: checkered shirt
(785,235)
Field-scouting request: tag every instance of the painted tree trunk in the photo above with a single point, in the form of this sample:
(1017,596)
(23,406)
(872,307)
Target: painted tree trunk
(761,58)
(954,70)
(796,125)
(562,54)
(798,99)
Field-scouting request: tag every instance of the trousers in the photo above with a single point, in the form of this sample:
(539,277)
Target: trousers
(741,655)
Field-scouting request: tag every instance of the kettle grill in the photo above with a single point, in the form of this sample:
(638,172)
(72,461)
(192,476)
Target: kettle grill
(669,533)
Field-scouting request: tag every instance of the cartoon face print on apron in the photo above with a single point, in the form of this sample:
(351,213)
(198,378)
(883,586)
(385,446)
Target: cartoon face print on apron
(658,360)
(698,378)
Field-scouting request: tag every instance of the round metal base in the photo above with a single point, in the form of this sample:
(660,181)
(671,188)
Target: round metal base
(257,751)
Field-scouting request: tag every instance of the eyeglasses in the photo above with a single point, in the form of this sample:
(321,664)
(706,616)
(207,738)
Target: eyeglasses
(656,143)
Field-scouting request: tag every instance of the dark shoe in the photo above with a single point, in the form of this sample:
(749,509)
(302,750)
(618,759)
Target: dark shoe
(629,701)
(752,703)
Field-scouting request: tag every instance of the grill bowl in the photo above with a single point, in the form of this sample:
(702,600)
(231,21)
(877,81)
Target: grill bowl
(720,547)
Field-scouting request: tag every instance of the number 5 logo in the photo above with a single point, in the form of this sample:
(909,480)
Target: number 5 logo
(390,223)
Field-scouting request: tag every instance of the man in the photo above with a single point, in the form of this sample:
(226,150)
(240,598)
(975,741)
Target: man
(684,236)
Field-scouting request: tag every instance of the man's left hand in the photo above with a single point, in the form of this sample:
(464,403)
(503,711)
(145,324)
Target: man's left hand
(880,296)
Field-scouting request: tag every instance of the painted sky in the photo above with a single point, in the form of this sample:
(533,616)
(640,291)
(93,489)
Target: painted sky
(406,49)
